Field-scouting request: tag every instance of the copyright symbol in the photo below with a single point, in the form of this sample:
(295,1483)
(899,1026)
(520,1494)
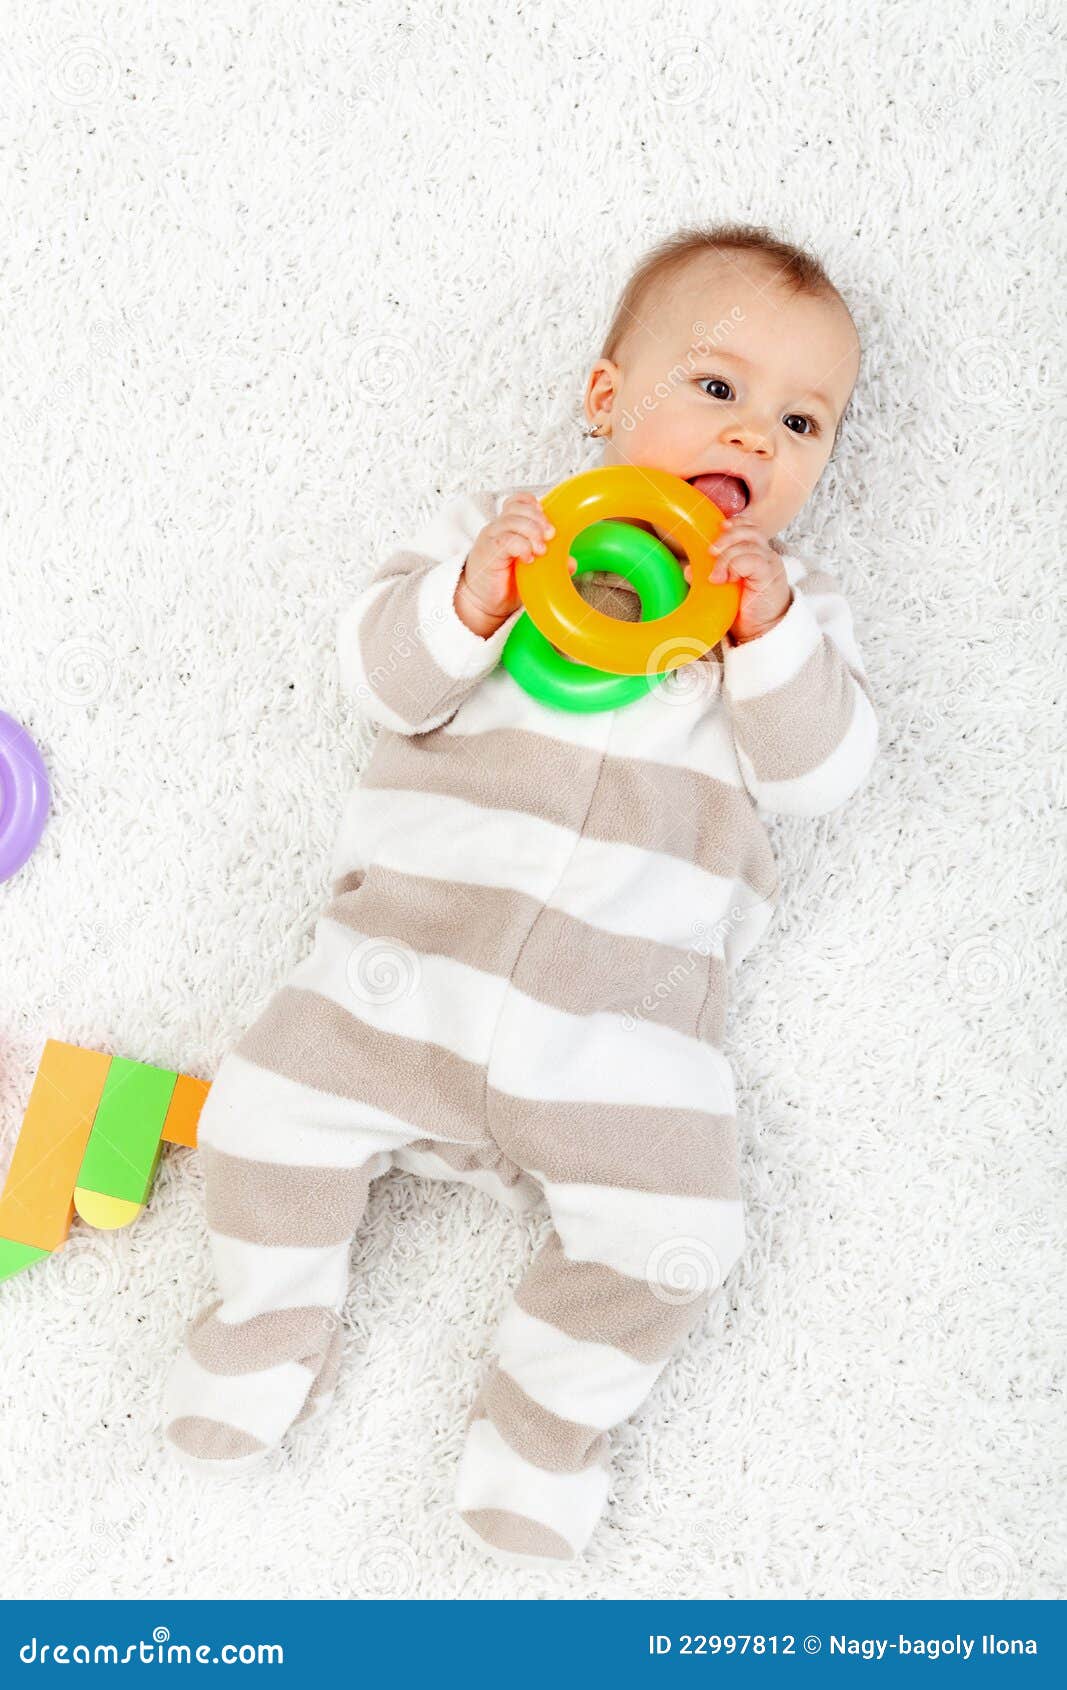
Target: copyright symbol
(812,1645)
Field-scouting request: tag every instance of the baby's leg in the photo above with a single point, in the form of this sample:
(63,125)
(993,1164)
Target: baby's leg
(611,1294)
(289,1146)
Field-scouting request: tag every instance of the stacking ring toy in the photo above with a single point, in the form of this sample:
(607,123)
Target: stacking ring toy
(538,667)
(649,648)
(24,794)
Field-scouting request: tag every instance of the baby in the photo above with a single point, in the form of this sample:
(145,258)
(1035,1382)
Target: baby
(520,980)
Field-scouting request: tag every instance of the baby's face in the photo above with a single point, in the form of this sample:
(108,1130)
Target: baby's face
(730,374)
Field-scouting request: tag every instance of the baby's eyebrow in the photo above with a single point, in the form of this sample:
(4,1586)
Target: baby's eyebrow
(815,393)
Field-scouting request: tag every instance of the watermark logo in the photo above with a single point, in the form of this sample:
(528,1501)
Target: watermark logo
(681,1270)
(83,73)
(706,339)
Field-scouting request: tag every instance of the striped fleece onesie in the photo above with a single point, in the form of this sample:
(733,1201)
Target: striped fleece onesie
(519,981)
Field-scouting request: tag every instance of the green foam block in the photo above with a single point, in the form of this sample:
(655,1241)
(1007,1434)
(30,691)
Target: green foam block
(124,1145)
(14,1257)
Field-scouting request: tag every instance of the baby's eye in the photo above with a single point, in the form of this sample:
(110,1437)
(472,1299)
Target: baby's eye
(809,425)
(715,382)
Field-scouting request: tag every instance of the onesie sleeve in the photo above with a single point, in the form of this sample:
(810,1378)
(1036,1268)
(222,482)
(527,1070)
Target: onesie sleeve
(404,655)
(804,724)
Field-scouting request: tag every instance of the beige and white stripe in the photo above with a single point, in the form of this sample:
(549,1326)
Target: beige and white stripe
(520,981)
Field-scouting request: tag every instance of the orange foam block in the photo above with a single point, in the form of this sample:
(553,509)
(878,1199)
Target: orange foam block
(184,1112)
(42,1188)
(37,1205)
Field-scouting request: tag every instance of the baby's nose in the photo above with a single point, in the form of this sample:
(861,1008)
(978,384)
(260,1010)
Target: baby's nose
(750,440)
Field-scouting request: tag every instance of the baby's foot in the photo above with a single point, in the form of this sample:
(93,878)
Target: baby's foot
(205,1446)
(558,1554)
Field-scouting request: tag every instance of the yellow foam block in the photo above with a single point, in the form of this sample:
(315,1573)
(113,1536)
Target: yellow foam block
(54,1150)
(105,1213)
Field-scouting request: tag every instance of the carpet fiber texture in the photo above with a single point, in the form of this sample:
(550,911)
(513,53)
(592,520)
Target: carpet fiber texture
(278,280)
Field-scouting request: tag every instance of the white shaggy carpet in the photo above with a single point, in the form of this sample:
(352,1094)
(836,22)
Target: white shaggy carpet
(275,281)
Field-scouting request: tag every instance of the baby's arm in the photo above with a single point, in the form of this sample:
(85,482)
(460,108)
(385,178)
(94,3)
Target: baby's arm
(404,655)
(804,724)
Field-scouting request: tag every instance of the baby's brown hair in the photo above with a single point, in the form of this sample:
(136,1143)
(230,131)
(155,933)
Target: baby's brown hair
(793,267)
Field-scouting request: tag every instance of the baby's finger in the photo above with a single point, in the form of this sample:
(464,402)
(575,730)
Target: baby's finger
(527,504)
(522,516)
(732,537)
(717,572)
(505,529)
(739,566)
(738,538)
(518,543)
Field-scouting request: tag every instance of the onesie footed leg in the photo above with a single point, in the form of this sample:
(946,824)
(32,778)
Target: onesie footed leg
(287,1173)
(517,1509)
(237,1387)
(495,1527)
(533,1476)
(592,1324)
(221,1420)
(321,1395)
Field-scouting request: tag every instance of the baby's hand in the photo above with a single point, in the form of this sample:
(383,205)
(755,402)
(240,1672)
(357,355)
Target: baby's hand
(742,554)
(486,594)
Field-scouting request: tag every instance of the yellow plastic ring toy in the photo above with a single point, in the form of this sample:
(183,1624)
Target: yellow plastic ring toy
(586,635)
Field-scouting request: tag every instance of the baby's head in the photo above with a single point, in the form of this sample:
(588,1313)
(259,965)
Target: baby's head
(729,353)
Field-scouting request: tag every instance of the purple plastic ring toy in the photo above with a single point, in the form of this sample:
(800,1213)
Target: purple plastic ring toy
(24,795)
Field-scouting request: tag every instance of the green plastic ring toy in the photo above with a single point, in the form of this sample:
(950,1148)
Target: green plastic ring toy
(543,672)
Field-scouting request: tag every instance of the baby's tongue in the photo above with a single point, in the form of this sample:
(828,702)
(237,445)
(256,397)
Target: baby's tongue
(723,490)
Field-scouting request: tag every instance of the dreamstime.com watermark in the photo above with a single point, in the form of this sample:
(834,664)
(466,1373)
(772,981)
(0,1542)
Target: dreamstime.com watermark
(160,1650)
(709,941)
(384,1566)
(405,641)
(683,370)
(82,72)
(683,1270)
(376,366)
(108,339)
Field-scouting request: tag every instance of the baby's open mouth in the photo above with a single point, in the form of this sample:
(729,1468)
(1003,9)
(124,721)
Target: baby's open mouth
(729,492)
